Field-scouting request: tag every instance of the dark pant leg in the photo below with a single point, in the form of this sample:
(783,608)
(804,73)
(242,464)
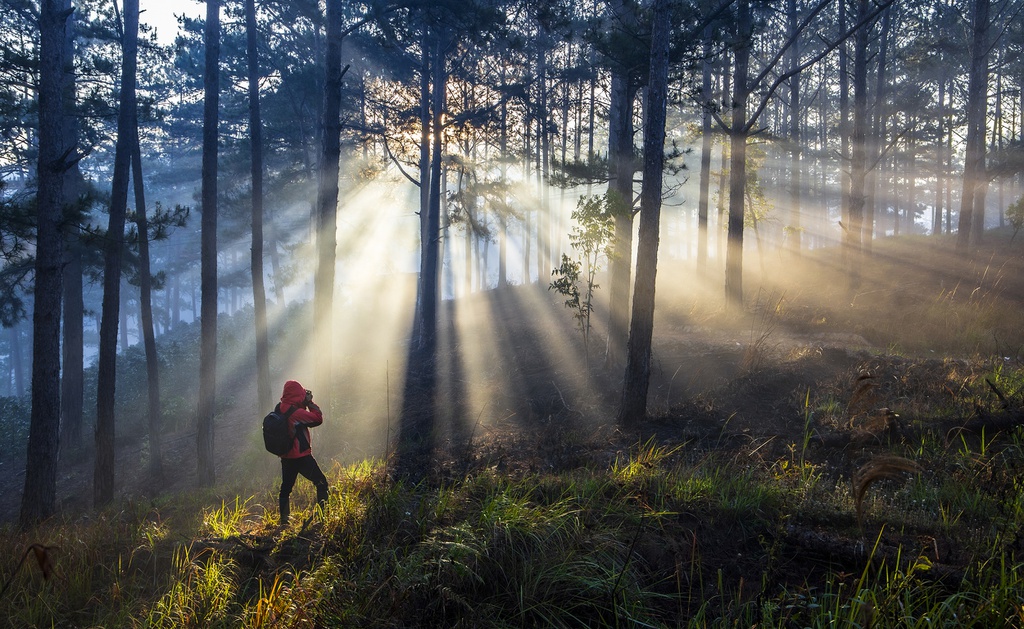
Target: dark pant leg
(289,472)
(311,470)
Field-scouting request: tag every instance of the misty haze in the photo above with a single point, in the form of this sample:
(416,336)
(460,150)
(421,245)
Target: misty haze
(672,313)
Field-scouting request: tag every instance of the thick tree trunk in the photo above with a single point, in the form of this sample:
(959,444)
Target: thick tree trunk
(259,294)
(103,479)
(974,160)
(633,407)
(39,497)
(146,315)
(208,273)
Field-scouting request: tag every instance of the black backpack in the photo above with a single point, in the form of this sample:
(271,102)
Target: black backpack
(277,435)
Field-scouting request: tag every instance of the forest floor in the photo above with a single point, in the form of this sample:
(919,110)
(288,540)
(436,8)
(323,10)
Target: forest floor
(812,371)
(809,358)
(807,394)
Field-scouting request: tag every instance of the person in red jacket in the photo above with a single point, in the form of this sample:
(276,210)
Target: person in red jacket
(299,460)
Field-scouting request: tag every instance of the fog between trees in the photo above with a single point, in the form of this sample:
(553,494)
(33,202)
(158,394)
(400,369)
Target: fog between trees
(414,160)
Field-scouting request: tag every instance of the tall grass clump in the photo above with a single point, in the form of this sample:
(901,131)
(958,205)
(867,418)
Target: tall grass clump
(104,568)
(200,593)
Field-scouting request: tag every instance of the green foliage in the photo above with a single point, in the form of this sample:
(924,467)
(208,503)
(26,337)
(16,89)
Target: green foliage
(15,416)
(1015,214)
(590,239)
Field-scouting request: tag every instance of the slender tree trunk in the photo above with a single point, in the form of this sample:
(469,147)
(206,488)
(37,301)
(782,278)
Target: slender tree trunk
(876,138)
(39,497)
(939,159)
(327,207)
(738,159)
(73,360)
(977,96)
(550,247)
(503,208)
(633,407)
(858,139)
(433,244)
(620,151)
(997,129)
(705,158)
(424,164)
(981,177)
(620,194)
(72,377)
(844,134)
(208,273)
(259,295)
(17,364)
(795,234)
(418,408)
(723,171)
(103,479)
(146,314)
(122,326)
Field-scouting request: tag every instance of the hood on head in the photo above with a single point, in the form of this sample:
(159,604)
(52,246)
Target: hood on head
(294,393)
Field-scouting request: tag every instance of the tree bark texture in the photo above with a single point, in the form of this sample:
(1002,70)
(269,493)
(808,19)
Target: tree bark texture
(156,468)
(327,207)
(208,272)
(858,156)
(738,158)
(259,293)
(418,407)
(106,394)
(72,380)
(633,407)
(874,142)
(794,235)
(974,159)
(844,132)
(620,191)
(705,157)
(424,164)
(39,498)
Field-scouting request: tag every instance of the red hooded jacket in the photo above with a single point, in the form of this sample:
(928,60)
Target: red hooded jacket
(304,417)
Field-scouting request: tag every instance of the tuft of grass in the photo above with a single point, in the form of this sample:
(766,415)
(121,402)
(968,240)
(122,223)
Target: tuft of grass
(878,468)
